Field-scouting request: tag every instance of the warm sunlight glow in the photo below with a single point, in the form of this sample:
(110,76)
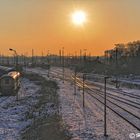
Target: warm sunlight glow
(78,17)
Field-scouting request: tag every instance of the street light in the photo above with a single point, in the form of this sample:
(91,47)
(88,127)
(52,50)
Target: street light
(13,51)
(16,55)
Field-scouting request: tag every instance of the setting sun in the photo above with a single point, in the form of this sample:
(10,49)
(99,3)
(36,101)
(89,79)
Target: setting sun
(78,17)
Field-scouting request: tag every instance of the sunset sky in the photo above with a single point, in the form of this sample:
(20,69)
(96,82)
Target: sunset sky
(45,25)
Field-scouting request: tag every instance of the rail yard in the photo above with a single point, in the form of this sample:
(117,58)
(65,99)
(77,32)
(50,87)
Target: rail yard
(69,70)
(90,108)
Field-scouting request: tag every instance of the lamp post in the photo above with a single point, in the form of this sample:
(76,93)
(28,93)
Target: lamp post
(16,56)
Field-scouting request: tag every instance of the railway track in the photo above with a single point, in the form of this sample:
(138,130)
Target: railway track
(116,106)
(118,95)
(114,93)
(113,96)
(121,103)
(117,91)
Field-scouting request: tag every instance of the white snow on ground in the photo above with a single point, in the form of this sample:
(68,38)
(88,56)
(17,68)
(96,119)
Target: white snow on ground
(137,82)
(13,112)
(87,124)
(133,91)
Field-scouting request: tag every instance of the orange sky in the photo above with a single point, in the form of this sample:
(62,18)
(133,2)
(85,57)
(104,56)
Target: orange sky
(45,25)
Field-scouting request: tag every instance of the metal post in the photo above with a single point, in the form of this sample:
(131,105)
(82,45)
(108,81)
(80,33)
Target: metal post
(105,127)
(116,57)
(85,57)
(63,63)
(80,56)
(83,90)
(60,56)
(75,82)
(16,61)
(32,57)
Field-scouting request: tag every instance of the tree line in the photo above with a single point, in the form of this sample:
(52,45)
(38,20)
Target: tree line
(131,49)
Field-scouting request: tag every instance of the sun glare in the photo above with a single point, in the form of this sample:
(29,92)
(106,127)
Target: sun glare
(79,17)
